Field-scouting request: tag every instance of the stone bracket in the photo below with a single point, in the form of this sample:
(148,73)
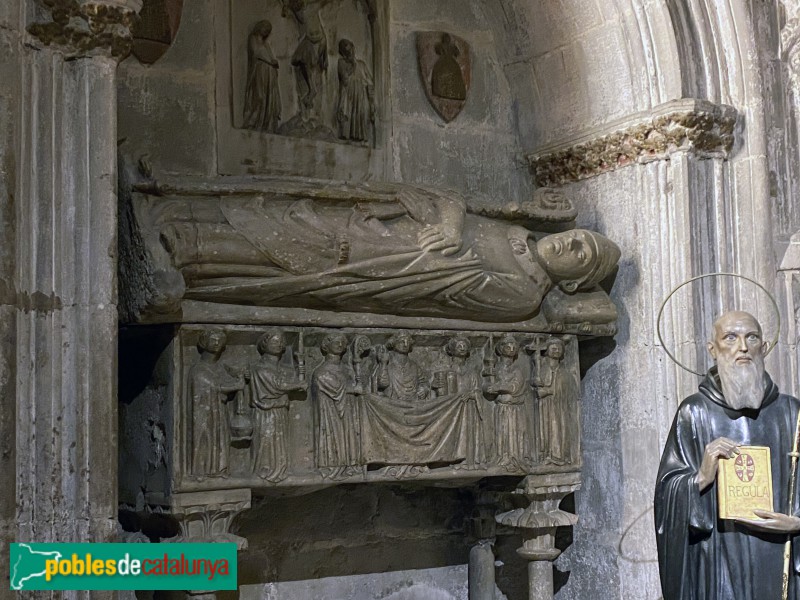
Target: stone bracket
(208,516)
(84,27)
(690,125)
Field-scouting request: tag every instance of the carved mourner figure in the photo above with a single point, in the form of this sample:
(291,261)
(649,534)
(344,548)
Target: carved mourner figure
(413,253)
(270,384)
(338,439)
(399,377)
(559,414)
(511,391)
(262,98)
(355,109)
(701,556)
(462,382)
(210,387)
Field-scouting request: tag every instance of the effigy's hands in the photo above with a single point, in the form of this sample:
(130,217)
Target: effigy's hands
(772,522)
(439,237)
(721,447)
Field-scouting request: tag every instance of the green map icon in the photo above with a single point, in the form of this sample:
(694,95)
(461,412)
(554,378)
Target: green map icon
(28,564)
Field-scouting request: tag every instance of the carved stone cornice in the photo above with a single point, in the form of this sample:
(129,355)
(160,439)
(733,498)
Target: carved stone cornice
(697,126)
(86,27)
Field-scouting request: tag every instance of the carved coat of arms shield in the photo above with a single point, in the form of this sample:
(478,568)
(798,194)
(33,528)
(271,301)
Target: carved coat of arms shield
(444,65)
(156,28)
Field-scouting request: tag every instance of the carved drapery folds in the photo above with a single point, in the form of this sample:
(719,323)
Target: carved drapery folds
(259,408)
(84,27)
(696,126)
(271,397)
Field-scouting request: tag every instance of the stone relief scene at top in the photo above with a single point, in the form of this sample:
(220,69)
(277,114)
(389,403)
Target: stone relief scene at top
(305,68)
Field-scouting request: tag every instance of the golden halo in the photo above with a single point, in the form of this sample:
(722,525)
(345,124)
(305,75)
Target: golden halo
(772,344)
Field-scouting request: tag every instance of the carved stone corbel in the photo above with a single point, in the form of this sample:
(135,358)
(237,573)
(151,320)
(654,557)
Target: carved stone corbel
(208,516)
(691,125)
(538,516)
(87,27)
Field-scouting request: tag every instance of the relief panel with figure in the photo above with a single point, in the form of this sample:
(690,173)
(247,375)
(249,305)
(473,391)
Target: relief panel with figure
(304,68)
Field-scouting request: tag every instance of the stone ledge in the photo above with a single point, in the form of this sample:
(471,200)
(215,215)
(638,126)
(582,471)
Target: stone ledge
(696,126)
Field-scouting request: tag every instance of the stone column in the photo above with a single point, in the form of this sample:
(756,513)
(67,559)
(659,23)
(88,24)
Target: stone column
(481,555)
(538,516)
(10,101)
(789,277)
(64,281)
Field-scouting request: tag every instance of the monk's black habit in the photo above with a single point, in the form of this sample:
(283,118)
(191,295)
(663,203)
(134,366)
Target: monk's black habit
(700,556)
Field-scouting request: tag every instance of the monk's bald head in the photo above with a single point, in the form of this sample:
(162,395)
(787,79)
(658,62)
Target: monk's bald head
(730,318)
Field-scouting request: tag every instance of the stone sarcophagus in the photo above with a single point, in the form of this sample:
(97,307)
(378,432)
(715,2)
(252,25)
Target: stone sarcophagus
(312,334)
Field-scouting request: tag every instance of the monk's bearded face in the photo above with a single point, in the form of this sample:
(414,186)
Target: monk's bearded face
(742,380)
(738,348)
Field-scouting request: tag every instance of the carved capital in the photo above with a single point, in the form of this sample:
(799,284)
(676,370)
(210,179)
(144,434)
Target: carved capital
(696,126)
(87,27)
(208,516)
(537,514)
